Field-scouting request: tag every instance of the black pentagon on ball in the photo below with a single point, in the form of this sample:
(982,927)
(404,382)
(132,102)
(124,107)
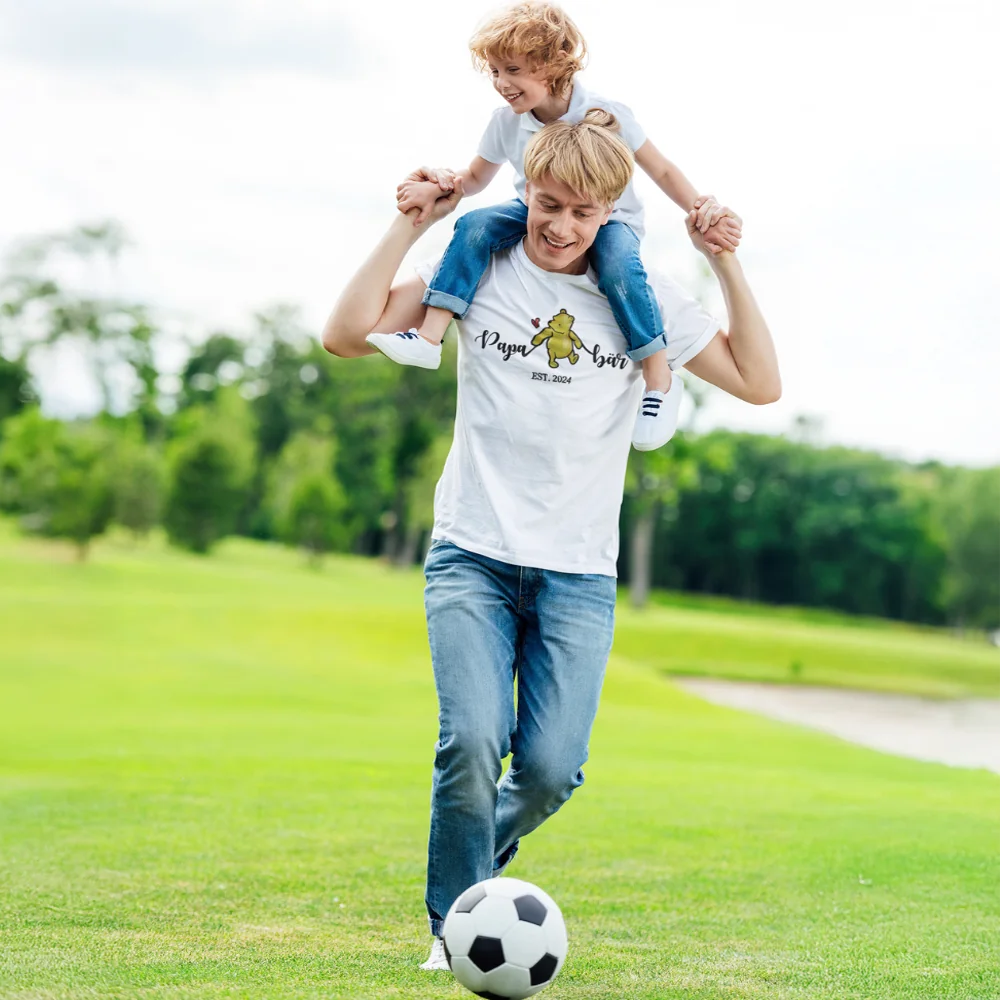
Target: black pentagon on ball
(491,996)
(486,953)
(470,898)
(543,970)
(531,910)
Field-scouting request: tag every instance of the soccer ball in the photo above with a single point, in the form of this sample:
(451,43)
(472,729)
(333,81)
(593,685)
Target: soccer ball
(505,939)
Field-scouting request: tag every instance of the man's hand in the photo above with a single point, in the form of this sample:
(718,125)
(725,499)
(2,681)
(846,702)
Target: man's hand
(725,225)
(719,240)
(417,194)
(439,207)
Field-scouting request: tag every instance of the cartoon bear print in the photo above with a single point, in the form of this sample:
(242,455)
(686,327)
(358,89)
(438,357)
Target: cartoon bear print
(559,339)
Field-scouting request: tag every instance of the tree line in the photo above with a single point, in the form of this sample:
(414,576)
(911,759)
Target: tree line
(261,433)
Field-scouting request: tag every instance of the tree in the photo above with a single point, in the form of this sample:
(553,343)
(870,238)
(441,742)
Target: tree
(308,503)
(419,497)
(16,391)
(40,308)
(211,466)
(969,515)
(139,482)
(654,482)
(57,477)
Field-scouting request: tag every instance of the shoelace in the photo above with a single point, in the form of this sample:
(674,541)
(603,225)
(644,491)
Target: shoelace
(650,406)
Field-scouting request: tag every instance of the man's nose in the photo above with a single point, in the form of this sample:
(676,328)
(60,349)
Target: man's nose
(561,226)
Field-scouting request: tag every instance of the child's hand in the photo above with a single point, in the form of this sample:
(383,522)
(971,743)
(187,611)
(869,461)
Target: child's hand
(417,194)
(707,212)
(442,176)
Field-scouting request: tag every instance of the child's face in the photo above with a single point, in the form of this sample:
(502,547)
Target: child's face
(518,84)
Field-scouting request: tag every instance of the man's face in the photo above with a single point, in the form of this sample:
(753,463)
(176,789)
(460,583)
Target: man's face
(518,84)
(561,225)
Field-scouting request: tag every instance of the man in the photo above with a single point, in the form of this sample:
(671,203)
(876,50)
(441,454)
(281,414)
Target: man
(521,571)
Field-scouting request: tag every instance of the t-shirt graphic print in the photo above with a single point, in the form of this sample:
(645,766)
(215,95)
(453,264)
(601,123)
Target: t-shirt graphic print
(547,398)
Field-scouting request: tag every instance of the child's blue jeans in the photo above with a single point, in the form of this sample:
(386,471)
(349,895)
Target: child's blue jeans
(615,255)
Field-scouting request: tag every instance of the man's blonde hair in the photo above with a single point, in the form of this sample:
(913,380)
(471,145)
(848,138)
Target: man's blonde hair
(538,32)
(588,157)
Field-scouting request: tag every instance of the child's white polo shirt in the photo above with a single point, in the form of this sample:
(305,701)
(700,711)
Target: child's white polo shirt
(508,134)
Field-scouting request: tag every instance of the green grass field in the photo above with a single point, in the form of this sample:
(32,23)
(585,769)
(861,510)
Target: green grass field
(214,782)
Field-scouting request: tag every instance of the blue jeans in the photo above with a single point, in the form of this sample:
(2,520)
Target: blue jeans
(490,622)
(614,254)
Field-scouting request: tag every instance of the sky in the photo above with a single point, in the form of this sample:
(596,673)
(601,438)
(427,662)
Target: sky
(252,150)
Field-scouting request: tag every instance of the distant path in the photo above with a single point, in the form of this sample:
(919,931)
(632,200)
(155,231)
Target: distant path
(962,733)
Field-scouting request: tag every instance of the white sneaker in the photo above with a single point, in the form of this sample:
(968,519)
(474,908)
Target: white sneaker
(407,348)
(657,418)
(436,961)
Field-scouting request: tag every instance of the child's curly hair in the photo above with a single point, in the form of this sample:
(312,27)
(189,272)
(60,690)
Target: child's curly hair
(540,32)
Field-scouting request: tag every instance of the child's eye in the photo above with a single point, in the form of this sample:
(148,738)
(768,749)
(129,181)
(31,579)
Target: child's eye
(512,70)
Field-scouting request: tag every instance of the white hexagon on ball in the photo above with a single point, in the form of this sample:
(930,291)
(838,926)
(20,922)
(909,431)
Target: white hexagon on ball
(505,939)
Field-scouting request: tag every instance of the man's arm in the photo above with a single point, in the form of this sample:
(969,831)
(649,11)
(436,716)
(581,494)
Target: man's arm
(742,362)
(370,301)
(669,178)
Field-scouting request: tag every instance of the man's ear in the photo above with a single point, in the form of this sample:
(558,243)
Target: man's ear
(607,214)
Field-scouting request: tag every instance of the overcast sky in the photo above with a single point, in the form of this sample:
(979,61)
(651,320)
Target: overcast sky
(252,150)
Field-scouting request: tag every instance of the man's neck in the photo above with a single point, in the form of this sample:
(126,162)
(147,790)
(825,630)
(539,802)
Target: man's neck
(552,108)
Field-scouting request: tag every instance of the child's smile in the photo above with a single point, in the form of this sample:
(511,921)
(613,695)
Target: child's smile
(521,87)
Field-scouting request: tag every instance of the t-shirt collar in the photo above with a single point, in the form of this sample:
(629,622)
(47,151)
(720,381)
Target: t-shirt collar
(578,104)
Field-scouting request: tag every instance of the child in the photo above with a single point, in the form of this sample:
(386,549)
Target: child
(532,51)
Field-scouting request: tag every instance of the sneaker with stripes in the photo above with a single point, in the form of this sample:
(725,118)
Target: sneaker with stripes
(656,420)
(407,348)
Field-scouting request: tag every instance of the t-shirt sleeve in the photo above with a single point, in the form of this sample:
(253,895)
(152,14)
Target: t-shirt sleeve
(688,326)
(491,144)
(632,132)
(425,268)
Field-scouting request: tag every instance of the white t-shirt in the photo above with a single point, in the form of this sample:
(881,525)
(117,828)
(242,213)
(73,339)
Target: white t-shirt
(536,470)
(508,134)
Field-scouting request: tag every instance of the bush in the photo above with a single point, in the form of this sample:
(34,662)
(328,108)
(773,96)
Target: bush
(211,466)
(307,501)
(58,477)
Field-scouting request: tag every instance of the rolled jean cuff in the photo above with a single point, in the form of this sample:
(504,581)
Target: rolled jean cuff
(442,300)
(657,344)
(437,926)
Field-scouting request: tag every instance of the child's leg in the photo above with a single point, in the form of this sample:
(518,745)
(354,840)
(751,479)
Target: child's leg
(478,235)
(622,278)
